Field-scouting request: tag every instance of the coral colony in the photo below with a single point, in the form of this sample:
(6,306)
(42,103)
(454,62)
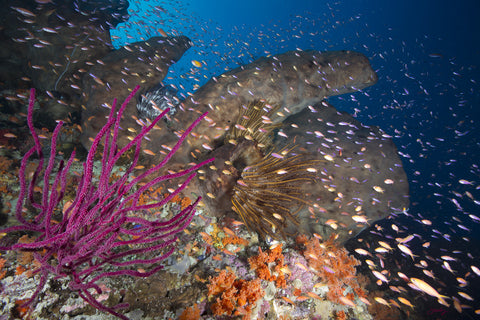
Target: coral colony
(97,235)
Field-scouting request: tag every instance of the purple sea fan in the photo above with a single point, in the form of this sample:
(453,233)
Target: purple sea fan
(98,235)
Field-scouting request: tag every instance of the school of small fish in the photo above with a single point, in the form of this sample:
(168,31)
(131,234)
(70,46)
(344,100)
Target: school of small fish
(430,249)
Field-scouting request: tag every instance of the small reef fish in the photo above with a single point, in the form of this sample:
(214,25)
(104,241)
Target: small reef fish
(425,287)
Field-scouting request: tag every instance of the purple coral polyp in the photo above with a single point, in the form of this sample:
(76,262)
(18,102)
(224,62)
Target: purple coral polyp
(98,236)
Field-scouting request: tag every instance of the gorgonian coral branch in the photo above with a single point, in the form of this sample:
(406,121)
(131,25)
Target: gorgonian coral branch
(99,234)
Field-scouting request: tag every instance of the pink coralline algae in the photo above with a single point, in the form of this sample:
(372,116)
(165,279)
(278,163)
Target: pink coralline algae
(98,235)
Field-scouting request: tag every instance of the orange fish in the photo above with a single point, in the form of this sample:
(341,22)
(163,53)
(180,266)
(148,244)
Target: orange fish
(347,302)
(301,298)
(314,295)
(149,152)
(288,300)
(9,135)
(163,33)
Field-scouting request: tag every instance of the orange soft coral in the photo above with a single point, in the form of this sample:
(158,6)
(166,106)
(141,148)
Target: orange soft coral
(2,264)
(340,315)
(263,263)
(333,264)
(191,313)
(233,296)
(183,202)
(234,240)
(220,283)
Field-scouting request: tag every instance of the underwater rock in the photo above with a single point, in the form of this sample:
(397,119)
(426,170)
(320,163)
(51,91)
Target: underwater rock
(339,176)
(145,63)
(51,45)
(360,177)
(45,45)
(291,81)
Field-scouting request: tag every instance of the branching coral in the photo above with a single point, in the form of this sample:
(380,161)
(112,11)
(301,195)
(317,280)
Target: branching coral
(97,236)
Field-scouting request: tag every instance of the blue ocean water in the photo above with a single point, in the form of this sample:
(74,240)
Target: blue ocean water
(427,97)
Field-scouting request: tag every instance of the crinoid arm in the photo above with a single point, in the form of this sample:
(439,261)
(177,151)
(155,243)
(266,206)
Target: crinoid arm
(254,124)
(269,193)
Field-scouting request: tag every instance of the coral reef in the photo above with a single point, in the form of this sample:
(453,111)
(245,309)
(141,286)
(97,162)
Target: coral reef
(286,162)
(96,236)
